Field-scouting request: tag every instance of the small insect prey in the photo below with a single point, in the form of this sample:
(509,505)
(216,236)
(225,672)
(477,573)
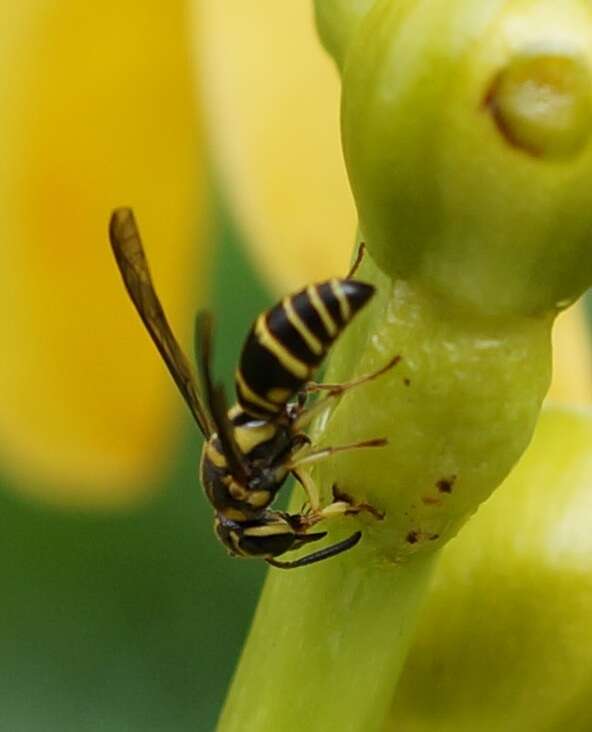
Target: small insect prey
(251,448)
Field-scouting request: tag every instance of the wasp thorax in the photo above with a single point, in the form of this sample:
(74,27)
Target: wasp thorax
(542,104)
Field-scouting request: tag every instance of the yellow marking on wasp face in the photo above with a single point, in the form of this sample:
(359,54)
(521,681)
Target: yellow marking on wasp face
(247,438)
(269,530)
(236,490)
(233,514)
(308,336)
(214,456)
(259,499)
(278,395)
(289,362)
(344,307)
(251,396)
(319,306)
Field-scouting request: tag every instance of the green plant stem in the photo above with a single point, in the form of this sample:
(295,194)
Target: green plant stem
(476,246)
(325,647)
(328,641)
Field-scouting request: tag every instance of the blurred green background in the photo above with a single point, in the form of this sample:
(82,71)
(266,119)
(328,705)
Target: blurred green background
(134,621)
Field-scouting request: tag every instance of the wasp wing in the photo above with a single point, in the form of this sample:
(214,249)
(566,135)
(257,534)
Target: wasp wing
(202,344)
(133,265)
(215,397)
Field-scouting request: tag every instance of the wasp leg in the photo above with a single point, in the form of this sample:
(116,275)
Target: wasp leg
(310,488)
(355,507)
(342,505)
(298,444)
(338,389)
(319,555)
(299,441)
(358,260)
(301,397)
(335,392)
(302,417)
(305,457)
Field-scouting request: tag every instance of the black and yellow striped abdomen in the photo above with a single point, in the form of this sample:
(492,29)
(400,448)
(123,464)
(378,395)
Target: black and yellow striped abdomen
(289,341)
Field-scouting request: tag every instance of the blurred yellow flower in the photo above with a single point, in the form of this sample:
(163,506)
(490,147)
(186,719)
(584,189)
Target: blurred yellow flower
(98,112)
(272,109)
(572,359)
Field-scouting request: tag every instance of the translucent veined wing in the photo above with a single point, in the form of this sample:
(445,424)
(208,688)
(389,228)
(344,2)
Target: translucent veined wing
(133,265)
(216,400)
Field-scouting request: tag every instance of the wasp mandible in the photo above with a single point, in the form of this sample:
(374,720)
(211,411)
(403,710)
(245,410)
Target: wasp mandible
(252,447)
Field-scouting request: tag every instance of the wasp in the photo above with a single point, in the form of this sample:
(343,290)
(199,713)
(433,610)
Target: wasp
(253,446)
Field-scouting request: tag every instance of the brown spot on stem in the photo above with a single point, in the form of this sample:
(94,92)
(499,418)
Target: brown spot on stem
(407,382)
(431,500)
(413,537)
(446,485)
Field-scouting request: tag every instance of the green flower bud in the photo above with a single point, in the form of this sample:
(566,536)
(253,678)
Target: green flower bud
(505,638)
(337,21)
(466,130)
